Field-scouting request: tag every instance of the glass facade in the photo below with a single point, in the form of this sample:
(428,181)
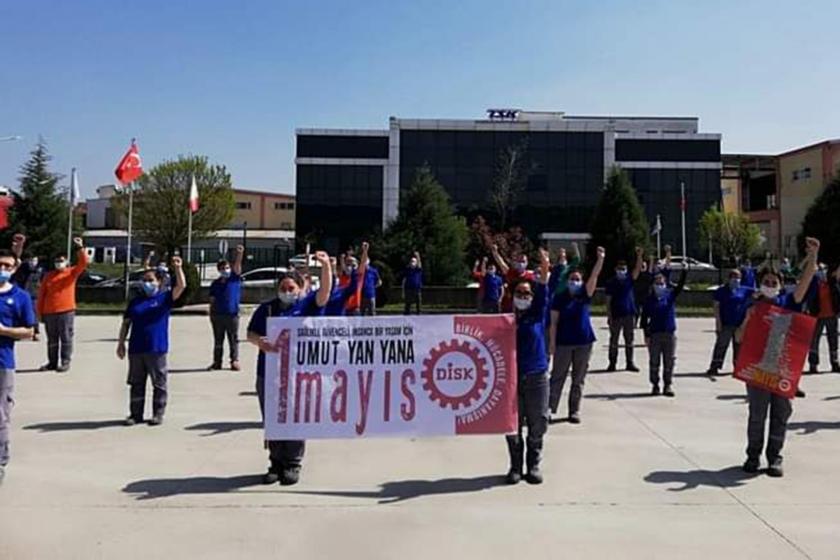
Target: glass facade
(667,150)
(326,146)
(338,203)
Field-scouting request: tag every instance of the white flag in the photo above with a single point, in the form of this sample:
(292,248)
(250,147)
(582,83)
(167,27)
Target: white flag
(75,196)
(658,227)
(193,196)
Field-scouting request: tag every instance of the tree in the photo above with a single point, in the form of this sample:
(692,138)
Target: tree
(427,223)
(40,209)
(161,212)
(619,224)
(732,236)
(511,243)
(508,181)
(821,221)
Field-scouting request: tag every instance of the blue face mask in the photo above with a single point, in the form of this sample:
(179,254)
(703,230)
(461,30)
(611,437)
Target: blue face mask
(821,275)
(575,286)
(225,273)
(660,289)
(149,288)
(734,283)
(5,276)
(621,274)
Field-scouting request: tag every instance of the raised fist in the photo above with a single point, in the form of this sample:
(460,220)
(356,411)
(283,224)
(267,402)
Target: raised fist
(601,253)
(240,249)
(322,257)
(812,245)
(77,241)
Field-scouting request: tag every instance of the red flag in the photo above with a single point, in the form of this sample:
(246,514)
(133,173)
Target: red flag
(193,196)
(130,166)
(6,202)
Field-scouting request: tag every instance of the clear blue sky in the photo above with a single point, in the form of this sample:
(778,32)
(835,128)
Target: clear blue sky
(232,80)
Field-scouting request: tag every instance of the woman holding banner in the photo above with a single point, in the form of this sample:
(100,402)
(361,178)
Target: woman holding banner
(761,401)
(291,301)
(530,300)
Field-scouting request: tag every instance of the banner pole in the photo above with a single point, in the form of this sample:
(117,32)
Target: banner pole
(128,241)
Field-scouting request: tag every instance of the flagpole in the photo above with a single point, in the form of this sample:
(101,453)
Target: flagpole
(658,237)
(189,235)
(70,195)
(128,241)
(682,207)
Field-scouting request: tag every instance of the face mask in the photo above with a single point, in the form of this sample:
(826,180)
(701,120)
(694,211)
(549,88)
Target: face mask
(149,288)
(521,303)
(520,267)
(575,286)
(413,264)
(621,274)
(287,298)
(821,275)
(33,263)
(163,268)
(660,289)
(769,291)
(5,276)
(60,265)
(225,273)
(491,271)
(734,283)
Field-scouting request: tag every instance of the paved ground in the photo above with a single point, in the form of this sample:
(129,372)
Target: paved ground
(642,477)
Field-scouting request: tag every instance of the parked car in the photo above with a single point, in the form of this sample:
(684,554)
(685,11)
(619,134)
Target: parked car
(91,279)
(678,263)
(268,276)
(135,280)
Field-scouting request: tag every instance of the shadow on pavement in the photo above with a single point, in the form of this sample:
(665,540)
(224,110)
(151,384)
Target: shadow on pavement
(216,428)
(399,491)
(189,370)
(730,477)
(742,398)
(617,396)
(166,487)
(247,393)
(72,426)
(834,398)
(812,427)
(702,375)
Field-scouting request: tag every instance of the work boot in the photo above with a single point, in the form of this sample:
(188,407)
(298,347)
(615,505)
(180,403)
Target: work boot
(514,475)
(712,371)
(775,469)
(655,391)
(48,367)
(800,393)
(813,369)
(835,367)
(156,420)
(130,421)
(234,366)
(669,391)
(574,418)
(534,475)
(751,465)
(611,367)
(214,367)
(2,474)
(632,367)
(272,475)
(290,475)
(63,368)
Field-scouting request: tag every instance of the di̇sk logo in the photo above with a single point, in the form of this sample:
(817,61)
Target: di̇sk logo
(455,374)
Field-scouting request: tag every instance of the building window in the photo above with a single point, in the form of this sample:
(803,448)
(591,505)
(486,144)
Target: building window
(802,174)
(284,205)
(243,205)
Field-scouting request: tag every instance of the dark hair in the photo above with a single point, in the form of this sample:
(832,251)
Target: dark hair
(158,274)
(620,262)
(572,269)
(7,253)
(769,269)
(221,263)
(521,281)
(61,255)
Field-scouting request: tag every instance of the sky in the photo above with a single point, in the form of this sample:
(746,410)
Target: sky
(233,80)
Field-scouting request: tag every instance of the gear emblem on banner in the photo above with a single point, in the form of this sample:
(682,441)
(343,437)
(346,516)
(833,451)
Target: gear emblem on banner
(433,385)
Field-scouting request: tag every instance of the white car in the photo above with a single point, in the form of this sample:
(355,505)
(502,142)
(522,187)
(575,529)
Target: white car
(678,263)
(270,277)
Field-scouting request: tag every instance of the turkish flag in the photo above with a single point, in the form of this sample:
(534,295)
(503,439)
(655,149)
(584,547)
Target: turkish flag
(130,166)
(6,202)
(193,196)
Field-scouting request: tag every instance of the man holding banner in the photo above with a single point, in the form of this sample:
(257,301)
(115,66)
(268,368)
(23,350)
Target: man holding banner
(286,456)
(774,339)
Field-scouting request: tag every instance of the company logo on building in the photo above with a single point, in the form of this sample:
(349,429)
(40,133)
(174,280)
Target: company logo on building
(502,114)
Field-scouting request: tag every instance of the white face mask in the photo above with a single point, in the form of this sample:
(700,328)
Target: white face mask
(522,303)
(769,291)
(61,265)
(287,298)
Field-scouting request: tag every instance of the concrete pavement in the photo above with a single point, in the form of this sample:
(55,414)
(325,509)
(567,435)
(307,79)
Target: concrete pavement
(642,477)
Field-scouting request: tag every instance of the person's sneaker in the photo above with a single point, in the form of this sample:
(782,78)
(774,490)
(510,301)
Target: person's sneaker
(655,391)
(272,476)
(156,420)
(775,469)
(234,366)
(632,367)
(835,367)
(611,367)
(751,466)
(290,476)
(669,391)
(800,394)
(47,367)
(574,418)
(534,476)
(130,421)
(214,367)
(63,368)
(513,476)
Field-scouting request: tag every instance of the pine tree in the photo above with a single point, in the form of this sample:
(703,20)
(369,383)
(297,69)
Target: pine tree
(427,223)
(40,210)
(821,222)
(619,224)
